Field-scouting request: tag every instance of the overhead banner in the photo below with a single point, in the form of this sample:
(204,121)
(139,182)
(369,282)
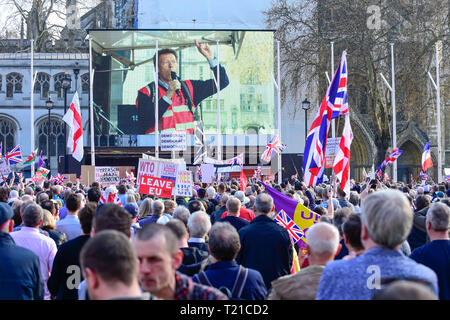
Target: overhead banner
(156,186)
(184,184)
(5,170)
(107,176)
(173,141)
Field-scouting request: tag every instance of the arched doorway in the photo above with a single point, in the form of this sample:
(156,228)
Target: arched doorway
(409,163)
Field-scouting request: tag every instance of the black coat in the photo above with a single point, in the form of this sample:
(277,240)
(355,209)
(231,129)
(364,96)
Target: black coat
(68,255)
(266,247)
(20,275)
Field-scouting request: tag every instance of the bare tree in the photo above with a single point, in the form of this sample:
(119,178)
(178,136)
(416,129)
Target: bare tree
(306,28)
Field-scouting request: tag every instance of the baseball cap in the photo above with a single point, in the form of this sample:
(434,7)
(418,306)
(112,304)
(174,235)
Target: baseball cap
(132,209)
(6,213)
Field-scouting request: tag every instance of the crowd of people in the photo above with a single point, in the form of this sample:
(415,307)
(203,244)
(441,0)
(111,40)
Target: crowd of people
(380,241)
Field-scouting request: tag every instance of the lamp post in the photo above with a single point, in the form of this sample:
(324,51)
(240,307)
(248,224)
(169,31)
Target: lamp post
(49,104)
(66,83)
(305,106)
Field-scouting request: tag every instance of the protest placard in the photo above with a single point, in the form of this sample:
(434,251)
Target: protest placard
(155,186)
(173,141)
(208,171)
(330,151)
(5,170)
(107,176)
(183,186)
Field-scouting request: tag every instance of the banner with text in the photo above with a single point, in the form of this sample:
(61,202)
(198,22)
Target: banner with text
(183,187)
(155,186)
(5,170)
(173,141)
(160,168)
(331,150)
(107,176)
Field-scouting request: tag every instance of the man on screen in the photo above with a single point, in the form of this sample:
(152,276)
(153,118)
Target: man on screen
(177,99)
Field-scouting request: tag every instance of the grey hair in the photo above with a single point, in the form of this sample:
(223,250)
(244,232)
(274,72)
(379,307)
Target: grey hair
(322,238)
(32,215)
(157,208)
(263,203)
(388,217)
(181,213)
(199,224)
(224,241)
(211,192)
(439,215)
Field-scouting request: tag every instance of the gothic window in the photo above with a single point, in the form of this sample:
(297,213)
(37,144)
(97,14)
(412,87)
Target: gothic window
(42,84)
(8,130)
(58,84)
(13,84)
(55,139)
(85,83)
(0,82)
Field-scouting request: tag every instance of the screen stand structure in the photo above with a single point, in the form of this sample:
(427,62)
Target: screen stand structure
(200,143)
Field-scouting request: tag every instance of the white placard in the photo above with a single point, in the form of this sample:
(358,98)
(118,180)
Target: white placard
(173,141)
(330,151)
(5,170)
(207,173)
(107,176)
(183,187)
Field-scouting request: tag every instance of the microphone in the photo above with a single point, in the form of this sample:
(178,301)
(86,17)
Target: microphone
(174,76)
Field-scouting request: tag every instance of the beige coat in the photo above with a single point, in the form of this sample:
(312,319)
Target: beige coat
(302,285)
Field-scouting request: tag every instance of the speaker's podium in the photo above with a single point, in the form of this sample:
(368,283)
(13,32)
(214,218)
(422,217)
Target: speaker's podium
(127,117)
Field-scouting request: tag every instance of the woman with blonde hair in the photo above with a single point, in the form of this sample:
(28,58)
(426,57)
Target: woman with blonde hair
(49,225)
(145,209)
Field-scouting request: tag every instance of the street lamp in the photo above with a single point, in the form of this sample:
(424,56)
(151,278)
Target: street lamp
(65,83)
(49,104)
(305,106)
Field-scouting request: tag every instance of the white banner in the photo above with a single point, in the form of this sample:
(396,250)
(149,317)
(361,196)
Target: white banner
(107,176)
(173,141)
(207,172)
(183,187)
(5,170)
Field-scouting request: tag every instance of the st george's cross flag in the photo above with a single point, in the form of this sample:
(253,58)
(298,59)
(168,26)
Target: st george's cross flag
(73,120)
(426,157)
(341,164)
(272,148)
(333,105)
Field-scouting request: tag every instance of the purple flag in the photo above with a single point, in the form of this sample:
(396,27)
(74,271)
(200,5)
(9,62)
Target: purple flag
(41,162)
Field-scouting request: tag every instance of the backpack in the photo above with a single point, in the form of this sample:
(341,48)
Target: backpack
(238,286)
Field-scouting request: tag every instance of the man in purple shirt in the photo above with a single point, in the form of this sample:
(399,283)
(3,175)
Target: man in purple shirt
(30,238)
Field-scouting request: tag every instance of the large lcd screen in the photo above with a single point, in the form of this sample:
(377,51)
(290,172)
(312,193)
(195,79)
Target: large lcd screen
(124,90)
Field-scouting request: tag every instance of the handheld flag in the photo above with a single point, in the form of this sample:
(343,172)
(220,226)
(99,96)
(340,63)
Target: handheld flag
(426,157)
(60,178)
(31,158)
(333,105)
(1,145)
(43,171)
(341,164)
(41,162)
(243,180)
(73,120)
(424,176)
(14,156)
(390,159)
(273,147)
(237,161)
(286,222)
(447,178)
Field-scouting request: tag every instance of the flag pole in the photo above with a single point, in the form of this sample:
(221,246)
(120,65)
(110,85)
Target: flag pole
(333,129)
(32,101)
(156,101)
(219,131)
(91,105)
(438,102)
(279,109)
(394,115)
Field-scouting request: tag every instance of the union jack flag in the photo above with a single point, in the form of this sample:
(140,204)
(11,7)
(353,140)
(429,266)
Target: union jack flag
(237,161)
(19,175)
(15,155)
(60,178)
(130,176)
(447,178)
(424,176)
(379,174)
(286,222)
(112,198)
(1,144)
(334,104)
(273,147)
(390,159)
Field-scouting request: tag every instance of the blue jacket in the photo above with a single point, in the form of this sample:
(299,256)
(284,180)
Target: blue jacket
(20,275)
(224,273)
(266,247)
